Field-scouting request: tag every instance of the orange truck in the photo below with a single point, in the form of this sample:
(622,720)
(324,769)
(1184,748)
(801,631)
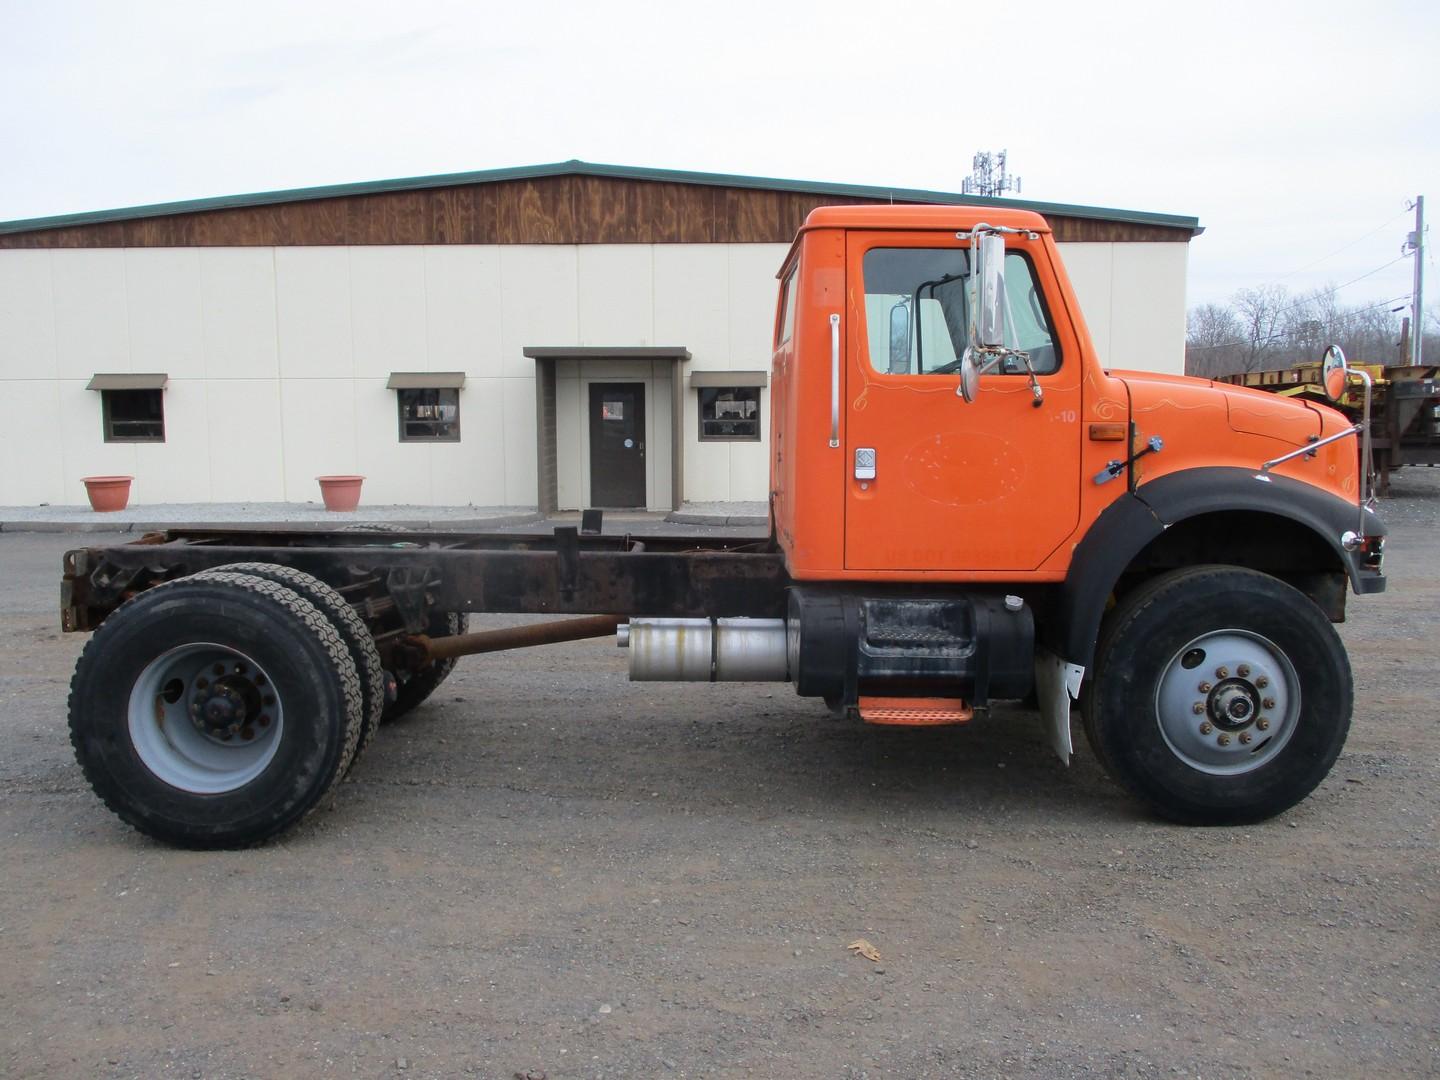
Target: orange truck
(966,507)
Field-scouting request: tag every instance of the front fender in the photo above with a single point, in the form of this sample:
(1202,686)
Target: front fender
(1131,523)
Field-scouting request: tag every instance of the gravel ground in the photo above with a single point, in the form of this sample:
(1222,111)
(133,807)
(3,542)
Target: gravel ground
(548,871)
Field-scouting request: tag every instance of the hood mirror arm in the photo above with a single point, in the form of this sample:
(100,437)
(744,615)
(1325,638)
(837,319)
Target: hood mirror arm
(1334,364)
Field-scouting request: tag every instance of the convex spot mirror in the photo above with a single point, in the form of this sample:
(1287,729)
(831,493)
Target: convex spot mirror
(1334,373)
(969,376)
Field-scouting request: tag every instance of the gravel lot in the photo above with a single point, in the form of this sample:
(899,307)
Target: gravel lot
(550,872)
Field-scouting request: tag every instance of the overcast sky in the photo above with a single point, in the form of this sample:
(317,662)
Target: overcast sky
(1295,132)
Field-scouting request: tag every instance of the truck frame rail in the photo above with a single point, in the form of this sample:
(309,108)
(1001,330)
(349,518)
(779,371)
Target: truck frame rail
(564,572)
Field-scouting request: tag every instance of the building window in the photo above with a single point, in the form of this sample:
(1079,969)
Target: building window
(429,415)
(133,415)
(730,413)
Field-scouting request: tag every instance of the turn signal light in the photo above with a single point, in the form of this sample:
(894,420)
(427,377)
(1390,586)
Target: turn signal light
(1108,432)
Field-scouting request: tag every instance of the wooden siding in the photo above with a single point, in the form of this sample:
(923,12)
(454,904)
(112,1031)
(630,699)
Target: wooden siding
(573,209)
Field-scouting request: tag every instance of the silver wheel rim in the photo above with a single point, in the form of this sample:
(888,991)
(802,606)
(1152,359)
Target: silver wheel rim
(205,718)
(1228,702)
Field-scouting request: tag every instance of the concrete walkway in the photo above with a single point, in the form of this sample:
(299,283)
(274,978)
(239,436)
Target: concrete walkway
(261,515)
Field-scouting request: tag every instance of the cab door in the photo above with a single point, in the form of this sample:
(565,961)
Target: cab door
(934,484)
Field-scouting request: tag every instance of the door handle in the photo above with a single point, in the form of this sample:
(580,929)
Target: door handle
(834,379)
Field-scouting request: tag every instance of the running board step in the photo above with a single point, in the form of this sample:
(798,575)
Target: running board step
(914,711)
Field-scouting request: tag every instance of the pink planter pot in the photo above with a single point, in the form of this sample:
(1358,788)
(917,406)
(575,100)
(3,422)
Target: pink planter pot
(107,493)
(341,493)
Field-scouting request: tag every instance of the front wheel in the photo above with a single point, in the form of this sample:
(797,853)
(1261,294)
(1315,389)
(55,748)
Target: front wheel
(1220,695)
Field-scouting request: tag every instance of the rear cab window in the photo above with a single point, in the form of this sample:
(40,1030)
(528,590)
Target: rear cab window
(785,324)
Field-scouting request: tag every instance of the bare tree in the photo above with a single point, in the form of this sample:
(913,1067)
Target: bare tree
(1212,340)
(1261,313)
(1265,328)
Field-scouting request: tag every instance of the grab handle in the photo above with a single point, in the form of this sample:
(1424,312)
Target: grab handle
(835,380)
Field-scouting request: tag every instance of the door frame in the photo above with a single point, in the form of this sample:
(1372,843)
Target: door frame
(610,364)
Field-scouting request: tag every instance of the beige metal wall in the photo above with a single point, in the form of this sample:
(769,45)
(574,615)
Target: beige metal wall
(278,357)
(1133,298)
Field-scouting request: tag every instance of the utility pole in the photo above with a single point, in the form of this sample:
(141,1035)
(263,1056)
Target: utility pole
(1416,245)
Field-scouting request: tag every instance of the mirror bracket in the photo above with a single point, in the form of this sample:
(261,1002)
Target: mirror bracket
(1335,377)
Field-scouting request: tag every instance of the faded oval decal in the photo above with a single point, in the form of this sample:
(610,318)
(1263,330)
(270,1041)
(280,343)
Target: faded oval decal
(963,469)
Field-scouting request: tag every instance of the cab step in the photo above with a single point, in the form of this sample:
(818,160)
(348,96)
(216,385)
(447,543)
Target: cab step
(914,711)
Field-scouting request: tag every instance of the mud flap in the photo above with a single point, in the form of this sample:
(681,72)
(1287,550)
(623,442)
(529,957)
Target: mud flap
(1057,683)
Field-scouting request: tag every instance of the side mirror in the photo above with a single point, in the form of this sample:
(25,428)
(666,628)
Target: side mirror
(900,339)
(988,317)
(1334,373)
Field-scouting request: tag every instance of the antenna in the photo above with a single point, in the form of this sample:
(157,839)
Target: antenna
(989,177)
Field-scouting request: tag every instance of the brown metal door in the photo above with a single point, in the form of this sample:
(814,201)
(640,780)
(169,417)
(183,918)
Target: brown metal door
(617,444)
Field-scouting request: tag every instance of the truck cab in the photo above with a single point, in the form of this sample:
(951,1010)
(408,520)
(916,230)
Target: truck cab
(960,487)
(880,470)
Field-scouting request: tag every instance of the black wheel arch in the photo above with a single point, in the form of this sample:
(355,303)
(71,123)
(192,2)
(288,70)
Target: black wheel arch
(1211,515)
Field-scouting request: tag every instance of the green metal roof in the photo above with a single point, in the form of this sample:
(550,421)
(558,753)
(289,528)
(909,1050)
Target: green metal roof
(585,168)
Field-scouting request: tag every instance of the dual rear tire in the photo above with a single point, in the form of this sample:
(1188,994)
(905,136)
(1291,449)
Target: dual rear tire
(217,710)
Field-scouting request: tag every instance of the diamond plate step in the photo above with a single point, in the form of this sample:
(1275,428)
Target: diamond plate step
(914,712)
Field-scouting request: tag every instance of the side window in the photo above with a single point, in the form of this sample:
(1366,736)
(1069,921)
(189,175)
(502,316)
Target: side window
(1027,320)
(917,311)
(787,310)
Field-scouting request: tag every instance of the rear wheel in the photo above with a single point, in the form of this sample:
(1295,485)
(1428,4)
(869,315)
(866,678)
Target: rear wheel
(411,690)
(1220,695)
(215,712)
(350,626)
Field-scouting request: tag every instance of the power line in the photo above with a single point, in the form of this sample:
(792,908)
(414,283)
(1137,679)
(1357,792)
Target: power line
(1347,247)
(1336,288)
(1333,289)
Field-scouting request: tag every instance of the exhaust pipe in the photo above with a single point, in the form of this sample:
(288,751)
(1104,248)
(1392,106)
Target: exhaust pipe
(705,650)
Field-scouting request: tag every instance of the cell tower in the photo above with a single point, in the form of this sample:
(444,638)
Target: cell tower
(989,176)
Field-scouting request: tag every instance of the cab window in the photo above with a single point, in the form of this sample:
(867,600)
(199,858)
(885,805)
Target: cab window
(917,312)
(786,329)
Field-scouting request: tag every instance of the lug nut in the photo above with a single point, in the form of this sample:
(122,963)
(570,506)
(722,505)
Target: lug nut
(1269,703)
(1263,724)
(1204,688)
(1205,728)
(1262,682)
(1245,738)
(1198,708)
(1243,670)
(1224,740)
(1222,672)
